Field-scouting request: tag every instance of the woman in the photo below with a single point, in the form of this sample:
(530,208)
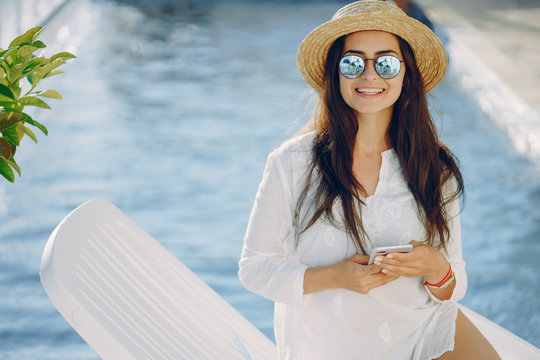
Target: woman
(371,172)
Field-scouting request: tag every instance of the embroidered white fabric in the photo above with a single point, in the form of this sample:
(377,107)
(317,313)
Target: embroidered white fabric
(400,320)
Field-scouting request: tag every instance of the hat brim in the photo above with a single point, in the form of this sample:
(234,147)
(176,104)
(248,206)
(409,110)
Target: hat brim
(428,50)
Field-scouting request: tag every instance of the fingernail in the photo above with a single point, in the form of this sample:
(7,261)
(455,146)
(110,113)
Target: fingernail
(390,256)
(383,270)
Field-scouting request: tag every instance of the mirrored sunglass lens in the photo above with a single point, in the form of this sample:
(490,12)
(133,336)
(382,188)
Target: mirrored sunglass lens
(387,66)
(351,66)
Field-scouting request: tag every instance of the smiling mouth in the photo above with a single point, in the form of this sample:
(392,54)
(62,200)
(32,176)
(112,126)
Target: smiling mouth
(369,91)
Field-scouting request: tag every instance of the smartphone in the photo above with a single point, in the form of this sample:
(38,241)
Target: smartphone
(383,250)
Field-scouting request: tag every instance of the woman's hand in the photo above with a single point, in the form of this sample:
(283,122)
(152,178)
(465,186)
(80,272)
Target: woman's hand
(356,275)
(423,260)
(351,273)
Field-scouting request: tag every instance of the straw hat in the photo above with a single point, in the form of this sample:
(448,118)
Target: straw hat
(372,15)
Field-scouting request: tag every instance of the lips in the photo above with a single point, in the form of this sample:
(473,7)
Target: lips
(369,91)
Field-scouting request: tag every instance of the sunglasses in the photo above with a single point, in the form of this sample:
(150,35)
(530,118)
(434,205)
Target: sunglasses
(387,66)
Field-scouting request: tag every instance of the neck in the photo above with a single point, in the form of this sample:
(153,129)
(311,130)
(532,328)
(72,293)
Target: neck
(372,136)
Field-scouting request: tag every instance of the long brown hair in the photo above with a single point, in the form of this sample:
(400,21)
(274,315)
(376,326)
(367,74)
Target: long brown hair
(427,163)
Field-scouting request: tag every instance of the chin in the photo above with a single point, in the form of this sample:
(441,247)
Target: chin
(369,110)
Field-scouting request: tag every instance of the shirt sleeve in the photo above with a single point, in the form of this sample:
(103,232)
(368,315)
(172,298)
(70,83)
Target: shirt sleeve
(263,267)
(453,252)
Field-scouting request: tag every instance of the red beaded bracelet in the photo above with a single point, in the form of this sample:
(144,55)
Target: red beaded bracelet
(443,280)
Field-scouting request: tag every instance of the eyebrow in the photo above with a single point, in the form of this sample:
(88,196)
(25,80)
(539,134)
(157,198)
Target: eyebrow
(381,52)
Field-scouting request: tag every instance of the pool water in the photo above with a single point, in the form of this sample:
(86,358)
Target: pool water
(170,113)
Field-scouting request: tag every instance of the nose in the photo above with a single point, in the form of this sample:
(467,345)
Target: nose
(369,71)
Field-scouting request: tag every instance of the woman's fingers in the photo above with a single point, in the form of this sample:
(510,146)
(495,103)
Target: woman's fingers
(362,278)
(394,259)
(416,243)
(372,280)
(372,269)
(402,264)
(359,259)
(381,278)
(394,270)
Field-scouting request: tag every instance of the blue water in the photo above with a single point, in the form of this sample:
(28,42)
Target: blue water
(171,117)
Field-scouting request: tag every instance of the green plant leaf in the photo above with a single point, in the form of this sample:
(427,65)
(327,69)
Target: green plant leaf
(20,131)
(39,61)
(15,72)
(46,69)
(5,170)
(34,63)
(54,72)
(11,162)
(5,99)
(34,101)
(37,124)
(5,148)
(30,133)
(8,119)
(26,50)
(52,94)
(27,38)
(62,56)
(7,53)
(16,90)
(15,107)
(12,136)
(4,90)
(36,76)
(39,44)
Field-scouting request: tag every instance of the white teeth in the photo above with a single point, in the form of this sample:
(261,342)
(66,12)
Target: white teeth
(370,91)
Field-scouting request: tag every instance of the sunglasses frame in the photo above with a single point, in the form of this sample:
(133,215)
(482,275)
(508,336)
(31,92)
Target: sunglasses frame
(374,65)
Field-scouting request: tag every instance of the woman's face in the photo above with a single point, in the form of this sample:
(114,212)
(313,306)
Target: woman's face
(369,93)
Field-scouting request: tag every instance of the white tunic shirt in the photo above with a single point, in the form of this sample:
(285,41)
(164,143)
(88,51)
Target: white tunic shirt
(399,320)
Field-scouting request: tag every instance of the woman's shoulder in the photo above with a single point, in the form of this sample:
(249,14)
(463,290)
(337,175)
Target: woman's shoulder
(297,147)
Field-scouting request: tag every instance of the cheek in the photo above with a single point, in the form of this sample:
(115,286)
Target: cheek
(401,80)
(344,89)
(397,87)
